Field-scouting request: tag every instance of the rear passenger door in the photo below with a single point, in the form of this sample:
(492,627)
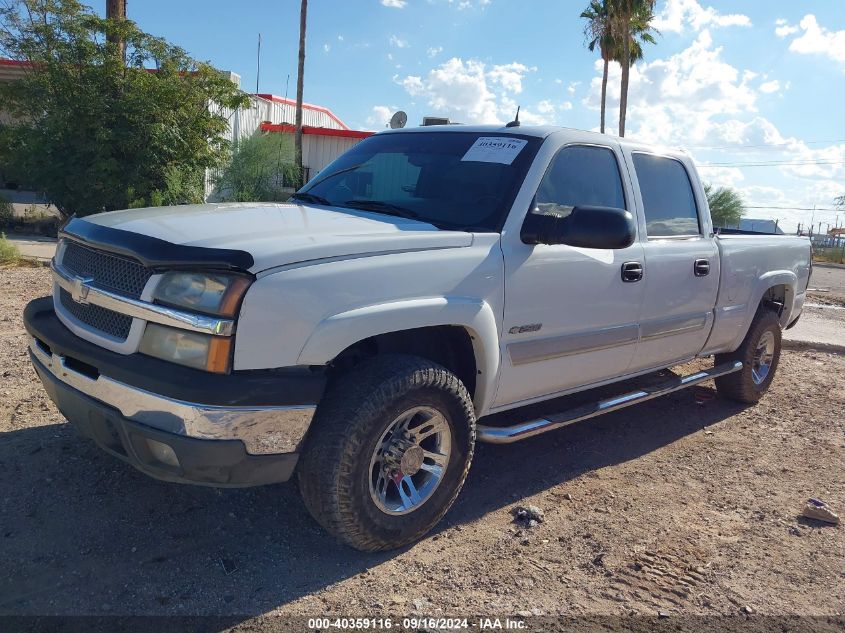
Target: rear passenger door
(681,273)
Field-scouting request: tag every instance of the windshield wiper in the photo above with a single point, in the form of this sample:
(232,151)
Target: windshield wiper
(310,197)
(379,206)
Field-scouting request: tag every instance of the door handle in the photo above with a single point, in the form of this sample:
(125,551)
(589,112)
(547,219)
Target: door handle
(701,267)
(632,271)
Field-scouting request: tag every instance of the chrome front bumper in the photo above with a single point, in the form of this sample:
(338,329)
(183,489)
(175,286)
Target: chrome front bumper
(262,429)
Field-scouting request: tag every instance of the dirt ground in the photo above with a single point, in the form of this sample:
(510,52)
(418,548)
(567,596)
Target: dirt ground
(827,285)
(673,506)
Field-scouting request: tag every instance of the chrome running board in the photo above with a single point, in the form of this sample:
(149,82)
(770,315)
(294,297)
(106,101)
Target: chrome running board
(510,434)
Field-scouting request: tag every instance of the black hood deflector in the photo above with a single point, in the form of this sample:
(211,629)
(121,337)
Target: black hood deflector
(153,252)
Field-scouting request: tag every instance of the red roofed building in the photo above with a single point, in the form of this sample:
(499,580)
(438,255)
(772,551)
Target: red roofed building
(324,135)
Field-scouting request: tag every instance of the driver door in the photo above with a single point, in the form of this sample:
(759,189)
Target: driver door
(571,317)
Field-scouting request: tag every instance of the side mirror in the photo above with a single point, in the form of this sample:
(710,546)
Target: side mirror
(585,227)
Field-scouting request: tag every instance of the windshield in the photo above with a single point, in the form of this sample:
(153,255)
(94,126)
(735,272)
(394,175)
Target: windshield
(454,180)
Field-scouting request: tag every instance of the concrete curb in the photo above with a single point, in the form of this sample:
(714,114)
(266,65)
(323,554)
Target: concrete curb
(806,346)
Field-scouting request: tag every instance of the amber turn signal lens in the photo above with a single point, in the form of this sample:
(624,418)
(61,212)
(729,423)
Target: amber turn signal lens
(219,354)
(234,294)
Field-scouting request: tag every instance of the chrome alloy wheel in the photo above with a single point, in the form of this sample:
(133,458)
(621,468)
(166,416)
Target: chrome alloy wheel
(410,460)
(763,356)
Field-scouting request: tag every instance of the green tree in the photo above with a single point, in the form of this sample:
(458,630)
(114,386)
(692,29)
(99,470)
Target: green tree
(262,169)
(840,202)
(630,21)
(726,205)
(96,132)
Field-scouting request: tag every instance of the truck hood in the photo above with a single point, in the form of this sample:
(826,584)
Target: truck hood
(281,234)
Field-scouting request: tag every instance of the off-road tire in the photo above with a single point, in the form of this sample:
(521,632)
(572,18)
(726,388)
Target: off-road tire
(334,470)
(740,385)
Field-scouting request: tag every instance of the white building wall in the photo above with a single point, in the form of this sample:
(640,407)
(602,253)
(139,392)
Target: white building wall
(317,151)
(244,122)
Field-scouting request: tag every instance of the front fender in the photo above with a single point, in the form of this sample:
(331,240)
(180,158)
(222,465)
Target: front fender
(337,332)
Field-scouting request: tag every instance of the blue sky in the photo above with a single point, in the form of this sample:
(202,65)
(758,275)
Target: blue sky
(737,83)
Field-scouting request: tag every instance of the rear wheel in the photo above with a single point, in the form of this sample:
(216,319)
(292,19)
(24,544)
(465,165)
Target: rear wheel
(388,452)
(759,354)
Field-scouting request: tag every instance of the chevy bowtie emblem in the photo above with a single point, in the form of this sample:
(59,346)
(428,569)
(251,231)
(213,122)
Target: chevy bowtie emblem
(79,290)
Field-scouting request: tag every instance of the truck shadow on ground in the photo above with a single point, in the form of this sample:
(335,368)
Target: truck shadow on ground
(84,533)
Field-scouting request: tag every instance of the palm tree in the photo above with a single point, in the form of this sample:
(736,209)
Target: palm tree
(630,21)
(600,27)
(726,206)
(303,11)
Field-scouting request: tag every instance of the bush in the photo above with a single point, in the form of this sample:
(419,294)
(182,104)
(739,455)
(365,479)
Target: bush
(9,253)
(6,213)
(261,170)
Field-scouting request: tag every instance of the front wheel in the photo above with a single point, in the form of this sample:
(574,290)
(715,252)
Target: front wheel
(759,354)
(388,452)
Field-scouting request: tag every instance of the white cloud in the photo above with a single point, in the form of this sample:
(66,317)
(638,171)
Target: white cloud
(327,48)
(398,42)
(379,117)
(684,98)
(566,105)
(339,38)
(462,5)
(783,28)
(509,76)
(677,14)
(395,4)
(434,51)
(816,39)
(770,86)
(471,92)
(545,107)
(573,85)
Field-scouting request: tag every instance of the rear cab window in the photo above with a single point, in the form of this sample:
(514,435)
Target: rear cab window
(668,198)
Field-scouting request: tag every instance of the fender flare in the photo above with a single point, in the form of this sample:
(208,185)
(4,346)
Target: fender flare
(339,331)
(764,283)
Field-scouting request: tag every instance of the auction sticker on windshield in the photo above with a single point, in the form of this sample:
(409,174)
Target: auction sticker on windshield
(494,149)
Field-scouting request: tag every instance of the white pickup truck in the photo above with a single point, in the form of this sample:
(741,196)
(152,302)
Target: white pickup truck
(361,335)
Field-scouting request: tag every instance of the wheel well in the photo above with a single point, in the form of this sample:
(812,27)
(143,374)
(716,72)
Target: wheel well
(774,299)
(447,345)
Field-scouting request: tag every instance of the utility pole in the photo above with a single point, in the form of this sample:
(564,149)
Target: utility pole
(303,11)
(116,10)
(258,65)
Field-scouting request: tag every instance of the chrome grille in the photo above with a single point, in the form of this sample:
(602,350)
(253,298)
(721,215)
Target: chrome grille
(111,272)
(106,321)
(108,271)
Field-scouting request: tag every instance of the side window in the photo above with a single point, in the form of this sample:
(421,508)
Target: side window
(668,199)
(581,175)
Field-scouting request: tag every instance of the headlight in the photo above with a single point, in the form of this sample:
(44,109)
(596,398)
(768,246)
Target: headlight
(201,351)
(213,293)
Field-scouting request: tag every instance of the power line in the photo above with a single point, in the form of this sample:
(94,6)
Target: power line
(748,206)
(775,163)
(765,145)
